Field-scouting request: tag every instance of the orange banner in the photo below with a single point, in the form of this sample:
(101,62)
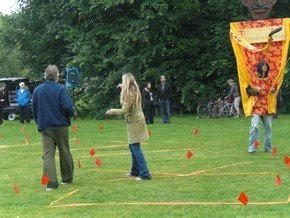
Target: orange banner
(251,45)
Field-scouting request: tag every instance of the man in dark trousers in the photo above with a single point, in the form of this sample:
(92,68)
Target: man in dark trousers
(2,104)
(52,108)
(23,98)
(164,93)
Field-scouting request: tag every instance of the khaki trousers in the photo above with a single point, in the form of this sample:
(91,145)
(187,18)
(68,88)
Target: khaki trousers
(50,140)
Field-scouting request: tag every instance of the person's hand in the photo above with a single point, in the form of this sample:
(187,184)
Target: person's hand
(273,90)
(108,113)
(259,90)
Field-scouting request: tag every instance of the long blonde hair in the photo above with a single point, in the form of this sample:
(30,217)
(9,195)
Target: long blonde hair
(129,89)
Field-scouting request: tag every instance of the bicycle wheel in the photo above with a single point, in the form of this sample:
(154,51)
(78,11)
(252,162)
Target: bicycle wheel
(224,111)
(175,108)
(202,111)
(233,111)
(213,109)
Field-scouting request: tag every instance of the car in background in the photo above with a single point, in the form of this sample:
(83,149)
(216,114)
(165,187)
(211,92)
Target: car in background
(11,85)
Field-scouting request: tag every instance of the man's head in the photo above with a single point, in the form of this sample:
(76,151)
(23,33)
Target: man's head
(51,73)
(162,79)
(259,9)
(22,85)
(230,82)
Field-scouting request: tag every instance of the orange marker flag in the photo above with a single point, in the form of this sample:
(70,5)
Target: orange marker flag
(256,143)
(1,136)
(77,141)
(149,132)
(16,188)
(44,180)
(74,128)
(286,159)
(26,140)
(278,180)
(98,162)
(274,151)
(243,198)
(101,128)
(195,132)
(92,152)
(79,164)
(189,154)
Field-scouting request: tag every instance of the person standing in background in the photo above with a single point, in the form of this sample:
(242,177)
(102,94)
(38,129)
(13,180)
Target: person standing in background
(23,98)
(2,104)
(147,97)
(164,93)
(235,95)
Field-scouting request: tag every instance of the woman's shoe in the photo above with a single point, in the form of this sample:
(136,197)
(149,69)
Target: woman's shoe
(145,178)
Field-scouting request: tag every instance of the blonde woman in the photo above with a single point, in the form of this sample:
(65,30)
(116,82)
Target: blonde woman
(135,123)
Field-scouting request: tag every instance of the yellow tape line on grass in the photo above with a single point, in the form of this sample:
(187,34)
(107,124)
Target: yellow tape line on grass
(169,204)
(186,175)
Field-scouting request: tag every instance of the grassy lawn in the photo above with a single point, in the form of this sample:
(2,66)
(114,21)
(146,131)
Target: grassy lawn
(206,185)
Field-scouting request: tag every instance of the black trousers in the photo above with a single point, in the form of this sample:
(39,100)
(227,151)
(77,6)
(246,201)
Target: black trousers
(1,115)
(24,112)
(149,112)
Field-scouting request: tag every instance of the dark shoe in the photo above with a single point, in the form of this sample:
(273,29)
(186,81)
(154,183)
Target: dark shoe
(268,150)
(50,189)
(66,182)
(145,178)
(51,186)
(131,174)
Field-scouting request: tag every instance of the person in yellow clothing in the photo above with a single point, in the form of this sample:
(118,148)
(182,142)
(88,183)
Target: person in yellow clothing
(262,85)
(135,123)
(254,41)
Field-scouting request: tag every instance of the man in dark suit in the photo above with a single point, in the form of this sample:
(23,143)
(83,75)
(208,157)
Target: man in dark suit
(164,93)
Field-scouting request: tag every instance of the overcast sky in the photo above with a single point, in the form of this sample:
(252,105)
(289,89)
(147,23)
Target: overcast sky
(7,6)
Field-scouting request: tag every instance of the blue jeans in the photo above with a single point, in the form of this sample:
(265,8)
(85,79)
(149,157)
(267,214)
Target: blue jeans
(165,110)
(254,132)
(139,166)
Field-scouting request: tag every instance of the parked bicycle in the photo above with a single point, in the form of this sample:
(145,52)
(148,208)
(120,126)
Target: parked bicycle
(222,108)
(217,109)
(202,111)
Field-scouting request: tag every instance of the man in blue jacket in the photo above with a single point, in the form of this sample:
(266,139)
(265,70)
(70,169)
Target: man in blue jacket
(23,98)
(52,108)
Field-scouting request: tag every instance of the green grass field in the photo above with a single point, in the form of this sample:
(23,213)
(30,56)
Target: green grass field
(207,185)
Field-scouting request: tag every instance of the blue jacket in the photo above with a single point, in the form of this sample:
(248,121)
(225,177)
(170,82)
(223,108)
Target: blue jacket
(23,99)
(52,106)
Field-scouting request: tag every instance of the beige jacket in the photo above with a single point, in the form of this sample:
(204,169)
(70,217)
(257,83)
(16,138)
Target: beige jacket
(134,119)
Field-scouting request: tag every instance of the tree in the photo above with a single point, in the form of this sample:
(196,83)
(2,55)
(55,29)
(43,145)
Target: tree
(186,40)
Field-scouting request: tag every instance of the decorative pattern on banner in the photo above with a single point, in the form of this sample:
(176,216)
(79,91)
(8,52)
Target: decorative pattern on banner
(251,45)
